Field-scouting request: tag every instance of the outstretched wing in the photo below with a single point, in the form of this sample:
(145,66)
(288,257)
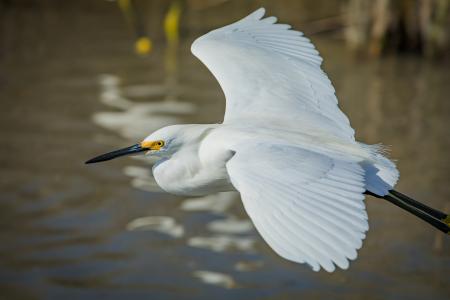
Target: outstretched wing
(307,206)
(271,74)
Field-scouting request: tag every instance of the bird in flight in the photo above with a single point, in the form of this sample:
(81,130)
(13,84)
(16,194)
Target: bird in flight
(284,145)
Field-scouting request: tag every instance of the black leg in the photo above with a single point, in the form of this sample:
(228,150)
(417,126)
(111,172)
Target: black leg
(431,211)
(433,217)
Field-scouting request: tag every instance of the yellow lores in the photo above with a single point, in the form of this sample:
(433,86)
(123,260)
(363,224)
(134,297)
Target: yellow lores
(152,145)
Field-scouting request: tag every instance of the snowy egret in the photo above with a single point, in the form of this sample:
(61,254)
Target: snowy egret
(284,145)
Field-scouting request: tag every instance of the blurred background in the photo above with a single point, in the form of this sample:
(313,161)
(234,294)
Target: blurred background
(79,78)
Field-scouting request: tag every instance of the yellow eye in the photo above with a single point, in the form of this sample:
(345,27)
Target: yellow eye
(157,145)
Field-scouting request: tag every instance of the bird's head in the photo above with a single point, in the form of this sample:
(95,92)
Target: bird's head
(162,143)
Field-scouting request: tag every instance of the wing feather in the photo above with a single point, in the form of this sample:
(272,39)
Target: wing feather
(307,206)
(268,71)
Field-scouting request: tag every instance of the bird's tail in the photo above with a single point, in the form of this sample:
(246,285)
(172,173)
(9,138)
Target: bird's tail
(434,217)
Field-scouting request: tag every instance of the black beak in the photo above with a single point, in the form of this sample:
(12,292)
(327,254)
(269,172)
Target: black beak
(121,152)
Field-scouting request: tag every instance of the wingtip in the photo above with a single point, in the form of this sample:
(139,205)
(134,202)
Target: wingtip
(270,20)
(258,14)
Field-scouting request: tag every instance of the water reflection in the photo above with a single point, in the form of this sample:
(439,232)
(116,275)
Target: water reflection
(215,278)
(231,225)
(218,203)
(161,224)
(134,120)
(142,178)
(222,243)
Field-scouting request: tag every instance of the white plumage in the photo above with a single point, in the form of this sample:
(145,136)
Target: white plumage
(308,207)
(270,73)
(284,145)
(305,200)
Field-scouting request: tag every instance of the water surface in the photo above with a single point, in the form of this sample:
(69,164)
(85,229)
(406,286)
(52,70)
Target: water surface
(71,87)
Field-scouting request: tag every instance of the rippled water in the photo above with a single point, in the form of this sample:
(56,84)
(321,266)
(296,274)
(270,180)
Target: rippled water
(71,88)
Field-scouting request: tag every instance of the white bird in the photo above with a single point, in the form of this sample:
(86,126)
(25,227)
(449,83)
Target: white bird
(284,145)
